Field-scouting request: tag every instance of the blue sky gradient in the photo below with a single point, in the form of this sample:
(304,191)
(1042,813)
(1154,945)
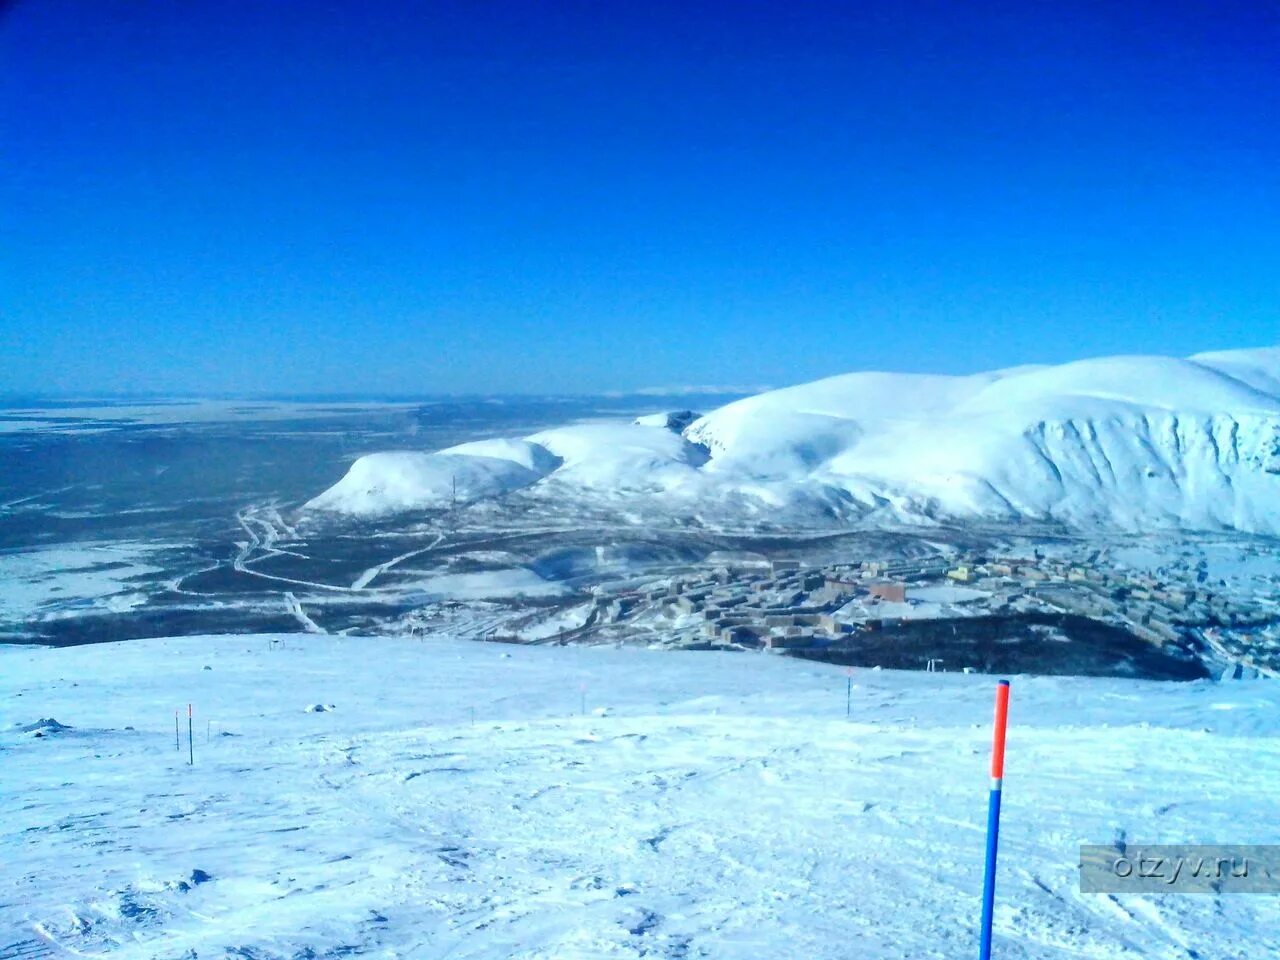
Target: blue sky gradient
(581,197)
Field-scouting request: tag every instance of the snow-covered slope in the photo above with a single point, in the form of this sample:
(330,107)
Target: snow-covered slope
(382,483)
(1126,441)
(454,803)
(622,457)
(1259,369)
(611,457)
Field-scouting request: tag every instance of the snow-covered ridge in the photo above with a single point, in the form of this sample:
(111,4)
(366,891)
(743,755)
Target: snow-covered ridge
(1124,441)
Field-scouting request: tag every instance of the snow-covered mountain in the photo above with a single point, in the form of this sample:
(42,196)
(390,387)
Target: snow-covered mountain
(1130,442)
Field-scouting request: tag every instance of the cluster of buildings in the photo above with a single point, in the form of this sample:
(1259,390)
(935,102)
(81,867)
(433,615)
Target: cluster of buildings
(783,604)
(774,605)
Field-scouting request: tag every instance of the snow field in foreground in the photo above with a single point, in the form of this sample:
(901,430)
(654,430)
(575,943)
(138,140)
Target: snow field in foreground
(709,805)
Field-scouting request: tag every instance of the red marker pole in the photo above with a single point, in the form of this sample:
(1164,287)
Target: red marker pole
(993,817)
(191,746)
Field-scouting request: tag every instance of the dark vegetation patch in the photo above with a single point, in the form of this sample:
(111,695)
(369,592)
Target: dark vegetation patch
(1053,644)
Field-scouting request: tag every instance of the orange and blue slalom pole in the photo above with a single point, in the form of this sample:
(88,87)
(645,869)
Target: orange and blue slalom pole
(993,817)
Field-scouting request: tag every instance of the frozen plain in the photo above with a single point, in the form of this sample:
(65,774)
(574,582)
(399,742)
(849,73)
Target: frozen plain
(706,805)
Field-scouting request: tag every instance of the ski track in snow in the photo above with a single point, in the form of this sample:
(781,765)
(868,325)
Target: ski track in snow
(263,533)
(708,805)
(373,572)
(295,608)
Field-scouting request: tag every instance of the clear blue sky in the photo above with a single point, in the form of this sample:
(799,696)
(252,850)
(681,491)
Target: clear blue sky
(515,197)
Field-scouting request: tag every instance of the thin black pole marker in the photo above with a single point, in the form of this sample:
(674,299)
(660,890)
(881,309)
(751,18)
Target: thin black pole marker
(191,746)
(848,692)
(177,744)
(993,817)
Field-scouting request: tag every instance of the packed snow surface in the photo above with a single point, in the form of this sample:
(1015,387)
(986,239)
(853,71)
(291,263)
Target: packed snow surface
(1129,442)
(482,801)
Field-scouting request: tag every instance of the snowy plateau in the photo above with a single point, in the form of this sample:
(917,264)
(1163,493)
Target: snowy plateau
(1126,443)
(388,797)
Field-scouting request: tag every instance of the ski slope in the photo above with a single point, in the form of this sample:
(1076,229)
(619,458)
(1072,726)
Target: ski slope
(449,800)
(1132,443)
